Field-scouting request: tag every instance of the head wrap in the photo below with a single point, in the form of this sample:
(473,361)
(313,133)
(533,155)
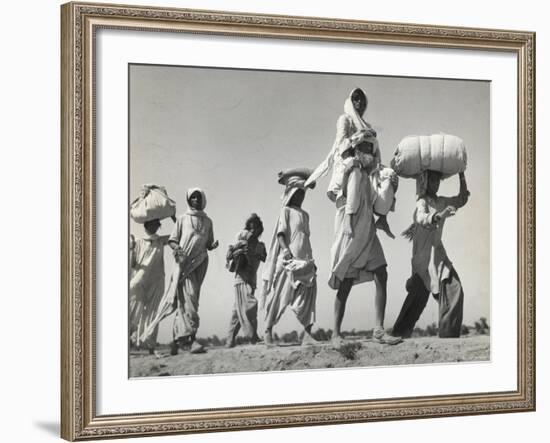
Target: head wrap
(349,109)
(292,180)
(193,211)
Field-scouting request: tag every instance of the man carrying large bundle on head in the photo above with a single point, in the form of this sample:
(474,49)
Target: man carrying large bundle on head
(429,160)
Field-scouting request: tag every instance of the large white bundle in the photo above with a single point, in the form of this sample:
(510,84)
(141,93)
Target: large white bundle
(440,152)
(153,203)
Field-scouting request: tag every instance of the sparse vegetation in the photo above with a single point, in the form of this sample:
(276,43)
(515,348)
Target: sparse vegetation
(432,330)
(349,350)
(481,327)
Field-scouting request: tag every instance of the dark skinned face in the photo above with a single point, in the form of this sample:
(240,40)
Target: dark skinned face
(434,180)
(298,198)
(254,229)
(195,200)
(359,102)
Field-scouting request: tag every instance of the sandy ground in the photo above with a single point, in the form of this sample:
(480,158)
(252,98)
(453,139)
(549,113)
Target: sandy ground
(356,353)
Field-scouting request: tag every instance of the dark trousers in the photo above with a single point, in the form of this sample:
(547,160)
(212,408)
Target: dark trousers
(451,305)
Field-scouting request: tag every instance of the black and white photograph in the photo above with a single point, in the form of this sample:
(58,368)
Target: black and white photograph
(275,221)
(303,220)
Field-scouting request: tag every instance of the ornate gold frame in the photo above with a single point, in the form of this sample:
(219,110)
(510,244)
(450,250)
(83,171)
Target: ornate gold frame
(79,420)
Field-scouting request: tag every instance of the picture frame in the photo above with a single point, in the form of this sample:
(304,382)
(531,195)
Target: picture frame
(79,242)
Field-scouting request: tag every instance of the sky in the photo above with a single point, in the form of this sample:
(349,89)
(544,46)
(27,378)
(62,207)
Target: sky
(231,131)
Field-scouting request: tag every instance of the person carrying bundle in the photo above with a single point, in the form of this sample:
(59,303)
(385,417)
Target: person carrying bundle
(147,264)
(289,276)
(432,271)
(244,258)
(146,283)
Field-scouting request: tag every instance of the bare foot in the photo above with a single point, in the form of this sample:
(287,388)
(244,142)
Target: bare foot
(308,340)
(337,341)
(382,224)
(197,348)
(268,338)
(255,339)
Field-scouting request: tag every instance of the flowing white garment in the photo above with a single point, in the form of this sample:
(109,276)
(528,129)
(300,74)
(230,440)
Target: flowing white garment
(286,282)
(193,233)
(146,285)
(358,255)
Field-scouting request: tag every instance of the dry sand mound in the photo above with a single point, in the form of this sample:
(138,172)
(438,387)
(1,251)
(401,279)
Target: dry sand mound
(358,353)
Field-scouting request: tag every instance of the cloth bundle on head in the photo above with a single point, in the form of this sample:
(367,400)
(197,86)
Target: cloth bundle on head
(152,203)
(360,125)
(292,180)
(439,152)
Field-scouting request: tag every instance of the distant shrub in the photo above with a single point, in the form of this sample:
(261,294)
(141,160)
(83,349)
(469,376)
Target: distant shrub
(432,330)
(290,337)
(482,327)
(322,335)
(464,330)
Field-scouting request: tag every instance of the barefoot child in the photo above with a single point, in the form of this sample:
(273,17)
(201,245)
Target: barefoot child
(363,155)
(146,283)
(244,258)
(290,272)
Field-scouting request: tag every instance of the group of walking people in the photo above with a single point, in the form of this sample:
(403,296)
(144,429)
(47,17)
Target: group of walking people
(289,277)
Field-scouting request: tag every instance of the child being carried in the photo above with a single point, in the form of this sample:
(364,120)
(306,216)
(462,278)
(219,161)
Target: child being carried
(363,152)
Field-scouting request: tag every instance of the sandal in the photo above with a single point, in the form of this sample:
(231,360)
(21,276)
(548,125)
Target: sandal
(380,336)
